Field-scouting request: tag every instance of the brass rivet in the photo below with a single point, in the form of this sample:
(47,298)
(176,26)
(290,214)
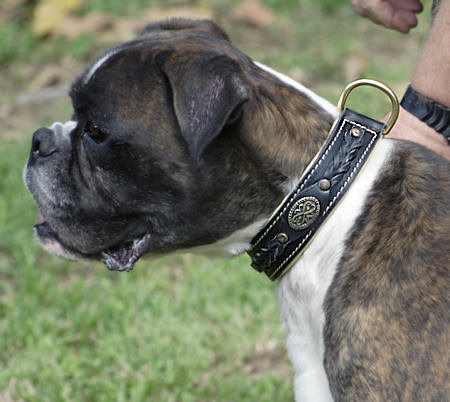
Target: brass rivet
(324,184)
(282,238)
(356,132)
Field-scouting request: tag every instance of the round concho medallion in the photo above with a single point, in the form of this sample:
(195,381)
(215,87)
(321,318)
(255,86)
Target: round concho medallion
(303,213)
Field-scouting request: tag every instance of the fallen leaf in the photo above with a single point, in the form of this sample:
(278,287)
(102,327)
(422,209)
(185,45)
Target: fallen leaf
(129,28)
(12,10)
(74,27)
(49,14)
(49,76)
(55,74)
(253,12)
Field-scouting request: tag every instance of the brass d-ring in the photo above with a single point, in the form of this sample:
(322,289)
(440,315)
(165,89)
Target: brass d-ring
(376,84)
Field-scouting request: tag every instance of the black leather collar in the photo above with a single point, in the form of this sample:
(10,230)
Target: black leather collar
(276,247)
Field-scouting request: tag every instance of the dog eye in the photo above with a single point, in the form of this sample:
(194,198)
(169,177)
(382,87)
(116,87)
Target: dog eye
(96,133)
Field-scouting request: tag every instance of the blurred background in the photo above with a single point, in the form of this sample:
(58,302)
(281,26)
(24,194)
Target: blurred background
(181,328)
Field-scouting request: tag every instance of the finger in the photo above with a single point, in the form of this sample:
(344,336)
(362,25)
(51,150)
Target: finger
(393,14)
(411,5)
(357,7)
(402,21)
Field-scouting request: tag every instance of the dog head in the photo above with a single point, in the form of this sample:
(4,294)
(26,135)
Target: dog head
(152,159)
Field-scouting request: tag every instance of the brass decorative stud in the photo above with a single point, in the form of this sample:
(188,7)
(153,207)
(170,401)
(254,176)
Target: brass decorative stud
(282,238)
(303,213)
(324,184)
(356,132)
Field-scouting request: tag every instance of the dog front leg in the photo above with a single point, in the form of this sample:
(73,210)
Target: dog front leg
(303,328)
(310,379)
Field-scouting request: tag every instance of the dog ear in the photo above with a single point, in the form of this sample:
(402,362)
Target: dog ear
(207,95)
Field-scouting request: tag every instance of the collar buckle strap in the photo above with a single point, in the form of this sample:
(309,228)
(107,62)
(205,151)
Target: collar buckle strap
(278,245)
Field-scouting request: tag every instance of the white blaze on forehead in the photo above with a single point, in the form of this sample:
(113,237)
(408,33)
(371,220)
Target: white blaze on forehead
(323,103)
(98,64)
(63,129)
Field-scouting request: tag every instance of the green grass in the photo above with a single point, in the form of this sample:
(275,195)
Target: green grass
(182,328)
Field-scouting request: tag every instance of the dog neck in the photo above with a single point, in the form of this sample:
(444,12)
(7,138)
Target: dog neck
(286,125)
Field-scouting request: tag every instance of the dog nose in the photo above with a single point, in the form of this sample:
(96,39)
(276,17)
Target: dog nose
(43,143)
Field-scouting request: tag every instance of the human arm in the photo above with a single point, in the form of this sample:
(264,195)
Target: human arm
(431,78)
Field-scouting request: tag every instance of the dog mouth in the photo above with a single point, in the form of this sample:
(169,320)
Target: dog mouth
(123,257)
(117,258)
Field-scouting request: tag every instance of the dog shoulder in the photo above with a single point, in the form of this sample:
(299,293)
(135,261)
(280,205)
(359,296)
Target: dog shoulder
(387,310)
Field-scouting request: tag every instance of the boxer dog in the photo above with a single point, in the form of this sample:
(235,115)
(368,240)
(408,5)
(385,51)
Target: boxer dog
(179,141)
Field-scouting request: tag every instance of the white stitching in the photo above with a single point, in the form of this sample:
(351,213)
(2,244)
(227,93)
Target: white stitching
(334,198)
(351,174)
(301,187)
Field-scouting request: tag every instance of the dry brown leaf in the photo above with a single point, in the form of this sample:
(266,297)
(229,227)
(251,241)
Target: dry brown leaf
(49,14)
(10,10)
(74,27)
(253,12)
(268,355)
(55,74)
(128,28)
(50,75)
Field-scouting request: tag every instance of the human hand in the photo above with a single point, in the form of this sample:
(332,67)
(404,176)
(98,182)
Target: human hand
(394,14)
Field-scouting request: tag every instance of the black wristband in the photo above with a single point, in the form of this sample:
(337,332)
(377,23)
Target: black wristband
(434,114)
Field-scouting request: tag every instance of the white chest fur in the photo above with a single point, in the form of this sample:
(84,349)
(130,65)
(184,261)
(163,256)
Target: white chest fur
(301,293)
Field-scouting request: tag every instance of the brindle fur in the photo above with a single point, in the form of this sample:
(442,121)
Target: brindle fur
(387,310)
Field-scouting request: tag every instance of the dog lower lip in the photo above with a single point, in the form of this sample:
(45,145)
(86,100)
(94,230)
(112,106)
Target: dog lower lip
(40,218)
(44,230)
